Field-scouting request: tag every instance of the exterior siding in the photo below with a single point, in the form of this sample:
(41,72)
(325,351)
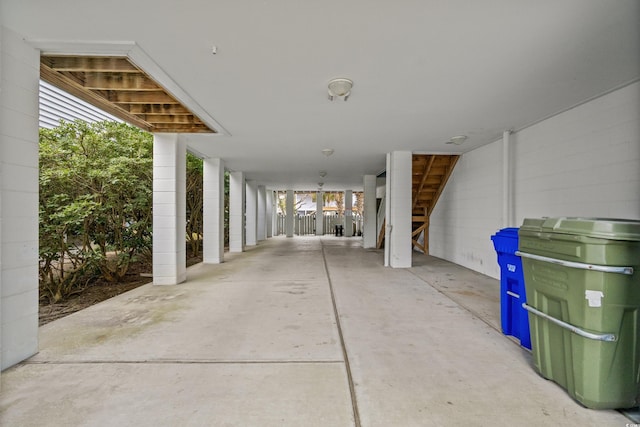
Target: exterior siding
(56,105)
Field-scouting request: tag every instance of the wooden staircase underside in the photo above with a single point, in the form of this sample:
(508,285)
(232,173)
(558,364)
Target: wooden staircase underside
(429,175)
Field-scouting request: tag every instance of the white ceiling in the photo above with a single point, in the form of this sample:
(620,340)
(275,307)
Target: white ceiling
(423,70)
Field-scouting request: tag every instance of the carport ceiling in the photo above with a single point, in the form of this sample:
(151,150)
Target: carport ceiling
(423,71)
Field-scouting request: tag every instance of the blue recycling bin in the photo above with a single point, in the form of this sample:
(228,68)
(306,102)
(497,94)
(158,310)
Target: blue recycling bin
(514,318)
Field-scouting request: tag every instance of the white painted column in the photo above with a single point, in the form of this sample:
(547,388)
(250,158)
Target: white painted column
(19,75)
(169,209)
(236,211)
(213,211)
(369,238)
(320,213)
(288,223)
(270,212)
(251,214)
(262,213)
(398,233)
(348,213)
(276,216)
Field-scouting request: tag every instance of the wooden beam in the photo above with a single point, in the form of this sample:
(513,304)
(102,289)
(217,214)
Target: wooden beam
(151,109)
(178,126)
(381,234)
(418,230)
(133,97)
(79,63)
(445,178)
(171,118)
(176,129)
(119,81)
(56,79)
(418,245)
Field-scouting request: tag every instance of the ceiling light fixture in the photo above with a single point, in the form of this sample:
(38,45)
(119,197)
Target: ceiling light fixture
(457,140)
(340,88)
(327,151)
(320,184)
(322,173)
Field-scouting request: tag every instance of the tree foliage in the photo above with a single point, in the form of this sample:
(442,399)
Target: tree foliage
(194,204)
(95,203)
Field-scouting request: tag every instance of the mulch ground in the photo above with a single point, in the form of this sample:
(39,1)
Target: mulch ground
(98,291)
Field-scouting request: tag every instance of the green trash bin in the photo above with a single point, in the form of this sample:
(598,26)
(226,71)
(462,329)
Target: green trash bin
(582,279)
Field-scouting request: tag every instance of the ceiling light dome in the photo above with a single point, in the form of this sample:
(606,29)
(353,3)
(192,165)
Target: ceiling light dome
(340,88)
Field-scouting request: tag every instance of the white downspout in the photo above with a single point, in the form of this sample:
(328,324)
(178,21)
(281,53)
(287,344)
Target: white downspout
(506,179)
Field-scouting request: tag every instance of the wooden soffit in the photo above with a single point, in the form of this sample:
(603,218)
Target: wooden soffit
(117,86)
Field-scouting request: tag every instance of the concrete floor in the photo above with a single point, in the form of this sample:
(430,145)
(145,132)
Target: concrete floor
(293,332)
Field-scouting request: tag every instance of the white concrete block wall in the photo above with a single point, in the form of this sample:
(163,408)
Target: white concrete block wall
(213,211)
(19,76)
(398,230)
(270,209)
(237,189)
(470,206)
(262,213)
(251,213)
(289,223)
(369,238)
(319,213)
(348,213)
(169,209)
(582,162)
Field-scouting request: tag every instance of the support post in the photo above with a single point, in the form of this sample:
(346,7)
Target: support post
(319,213)
(18,198)
(288,223)
(270,212)
(398,233)
(236,211)
(169,209)
(213,211)
(370,213)
(262,213)
(348,213)
(251,214)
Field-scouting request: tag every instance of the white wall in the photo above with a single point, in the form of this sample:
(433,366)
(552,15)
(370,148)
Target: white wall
(19,74)
(469,211)
(583,162)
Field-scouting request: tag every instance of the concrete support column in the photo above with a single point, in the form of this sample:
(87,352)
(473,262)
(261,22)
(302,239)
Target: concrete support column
(348,213)
(262,213)
(288,222)
(398,232)
(369,238)
(251,214)
(19,75)
(169,209)
(236,211)
(270,212)
(320,213)
(276,216)
(213,211)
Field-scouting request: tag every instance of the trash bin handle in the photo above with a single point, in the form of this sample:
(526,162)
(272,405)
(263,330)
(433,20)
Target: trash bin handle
(574,329)
(603,268)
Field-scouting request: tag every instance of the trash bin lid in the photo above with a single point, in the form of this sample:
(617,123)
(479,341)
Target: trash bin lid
(606,228)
